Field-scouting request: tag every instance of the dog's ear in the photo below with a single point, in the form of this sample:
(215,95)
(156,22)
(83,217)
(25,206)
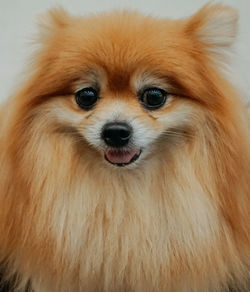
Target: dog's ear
(214,26)
(53,21)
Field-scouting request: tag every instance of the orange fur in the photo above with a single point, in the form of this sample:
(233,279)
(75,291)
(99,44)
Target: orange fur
(179,219)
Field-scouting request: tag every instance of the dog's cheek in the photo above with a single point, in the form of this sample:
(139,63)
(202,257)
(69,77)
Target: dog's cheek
(143,133)
(92,134)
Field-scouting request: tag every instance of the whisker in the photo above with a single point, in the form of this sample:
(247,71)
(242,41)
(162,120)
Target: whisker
(178,134)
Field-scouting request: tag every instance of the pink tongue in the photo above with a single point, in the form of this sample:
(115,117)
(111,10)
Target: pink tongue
(120,156)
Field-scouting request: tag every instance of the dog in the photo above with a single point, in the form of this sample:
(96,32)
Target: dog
(125,158)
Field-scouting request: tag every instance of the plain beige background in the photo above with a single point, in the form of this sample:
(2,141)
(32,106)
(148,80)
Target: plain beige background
(18,19)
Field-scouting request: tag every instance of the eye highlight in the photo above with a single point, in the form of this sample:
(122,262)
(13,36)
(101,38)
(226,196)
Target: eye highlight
(153,98)
(86,98)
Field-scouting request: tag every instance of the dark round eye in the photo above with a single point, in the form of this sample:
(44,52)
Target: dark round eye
(86,98)
(153,98)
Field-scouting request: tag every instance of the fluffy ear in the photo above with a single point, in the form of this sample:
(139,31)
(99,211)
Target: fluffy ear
(215,26)
(53,20)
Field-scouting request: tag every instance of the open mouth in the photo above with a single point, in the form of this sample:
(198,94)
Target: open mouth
(122,157)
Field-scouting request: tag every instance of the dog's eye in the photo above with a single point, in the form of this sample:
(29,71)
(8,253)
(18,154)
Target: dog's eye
(86,98)
(153,98)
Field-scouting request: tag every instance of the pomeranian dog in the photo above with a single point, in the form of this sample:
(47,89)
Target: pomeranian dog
(125,159)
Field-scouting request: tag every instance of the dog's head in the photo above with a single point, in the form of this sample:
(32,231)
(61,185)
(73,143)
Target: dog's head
(127,86)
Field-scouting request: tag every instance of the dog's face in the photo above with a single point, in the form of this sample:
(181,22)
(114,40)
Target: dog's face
(129,86)
(125,110)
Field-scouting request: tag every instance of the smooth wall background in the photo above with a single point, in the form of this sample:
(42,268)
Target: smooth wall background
(18,27)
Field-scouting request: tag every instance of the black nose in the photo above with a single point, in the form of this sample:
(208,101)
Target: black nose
(116,134)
